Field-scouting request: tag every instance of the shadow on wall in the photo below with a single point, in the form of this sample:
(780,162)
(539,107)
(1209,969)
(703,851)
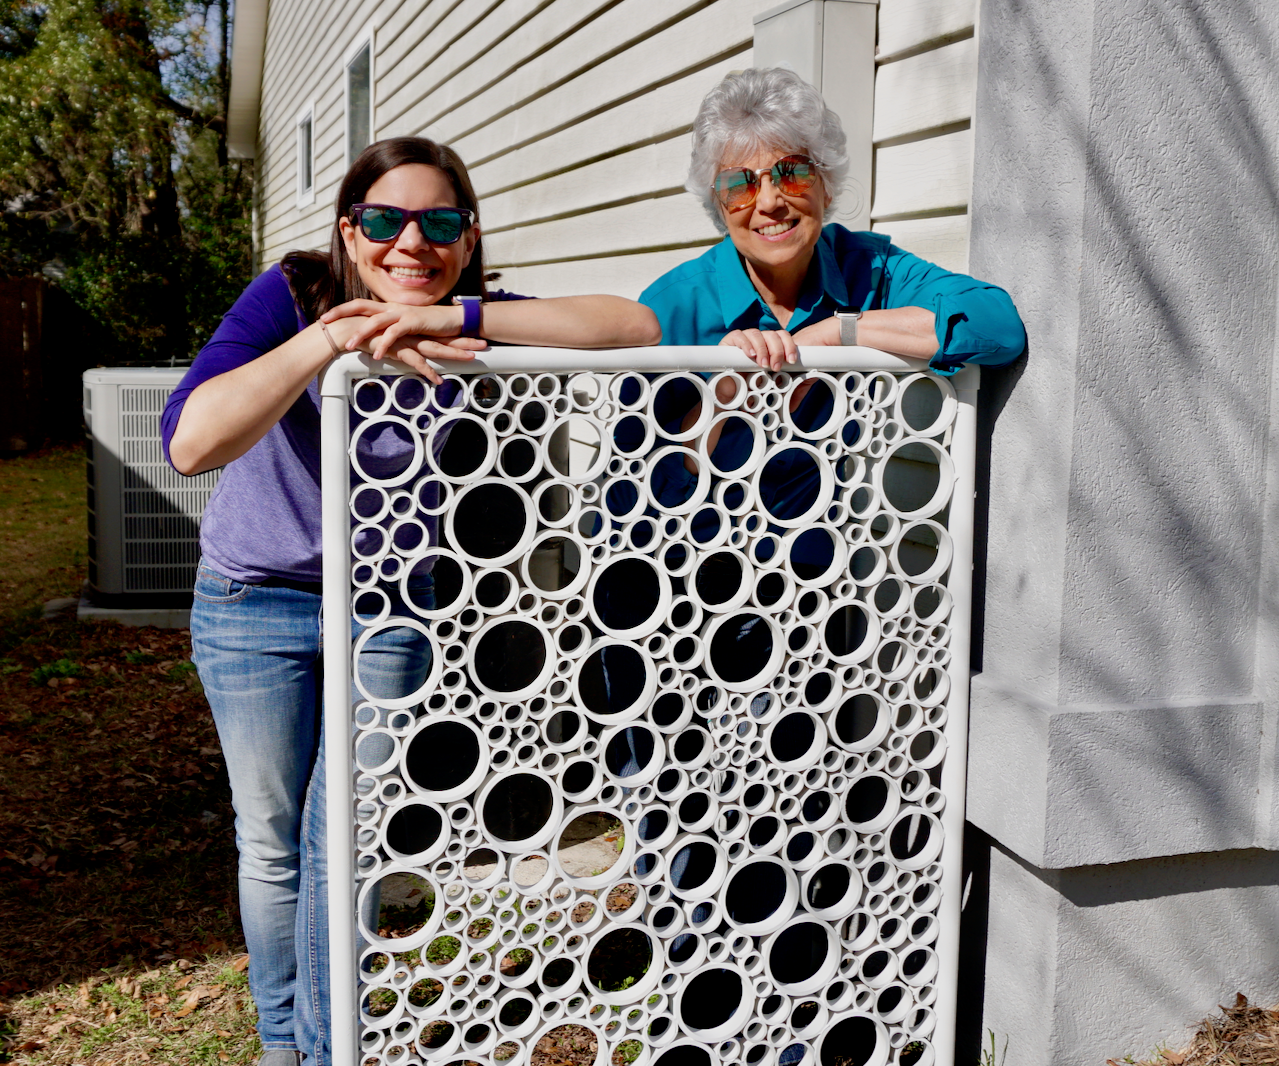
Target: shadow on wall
(1173,133)
(1180,881)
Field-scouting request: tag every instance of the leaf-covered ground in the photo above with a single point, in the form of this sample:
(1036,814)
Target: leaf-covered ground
(117,863)
(1241,1035)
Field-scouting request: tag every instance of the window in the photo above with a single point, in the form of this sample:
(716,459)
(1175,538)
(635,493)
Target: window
(306,155)
(359,98)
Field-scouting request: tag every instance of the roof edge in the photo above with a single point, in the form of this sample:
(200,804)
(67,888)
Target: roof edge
(248,49)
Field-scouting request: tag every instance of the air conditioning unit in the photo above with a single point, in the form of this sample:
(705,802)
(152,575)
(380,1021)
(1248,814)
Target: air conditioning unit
(144,517)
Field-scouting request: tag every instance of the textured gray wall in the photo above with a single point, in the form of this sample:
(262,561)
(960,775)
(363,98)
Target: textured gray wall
(1126,193)
(1114,960)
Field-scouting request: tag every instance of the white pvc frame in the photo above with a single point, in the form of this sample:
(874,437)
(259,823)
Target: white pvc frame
(335,391)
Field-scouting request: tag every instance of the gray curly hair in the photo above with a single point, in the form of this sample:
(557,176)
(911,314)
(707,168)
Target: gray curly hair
(771,108)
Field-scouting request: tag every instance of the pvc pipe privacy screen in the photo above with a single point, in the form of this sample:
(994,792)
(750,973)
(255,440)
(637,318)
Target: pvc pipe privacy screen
(675,769)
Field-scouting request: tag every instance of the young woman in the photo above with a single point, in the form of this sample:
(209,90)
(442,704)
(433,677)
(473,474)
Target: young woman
(405,242)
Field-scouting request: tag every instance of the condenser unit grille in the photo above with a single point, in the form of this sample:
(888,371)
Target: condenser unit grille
(144,516)
(161,508)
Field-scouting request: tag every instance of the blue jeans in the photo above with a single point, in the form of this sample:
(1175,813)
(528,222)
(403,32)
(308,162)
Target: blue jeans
(258,652)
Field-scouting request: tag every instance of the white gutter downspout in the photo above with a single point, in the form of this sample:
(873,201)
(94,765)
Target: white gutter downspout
(248,51)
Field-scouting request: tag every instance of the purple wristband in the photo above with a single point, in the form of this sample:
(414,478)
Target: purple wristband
(470,315)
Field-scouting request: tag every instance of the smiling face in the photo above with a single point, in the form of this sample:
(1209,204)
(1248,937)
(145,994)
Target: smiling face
(409,269)
(776,234)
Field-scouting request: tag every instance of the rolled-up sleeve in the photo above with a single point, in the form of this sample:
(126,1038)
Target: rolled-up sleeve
(263,318)
(975,322)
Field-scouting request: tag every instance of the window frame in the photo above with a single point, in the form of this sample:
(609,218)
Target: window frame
(304,117)
(366,39)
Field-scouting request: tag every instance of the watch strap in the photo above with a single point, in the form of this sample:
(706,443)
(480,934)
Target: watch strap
(848,327)
(470,315)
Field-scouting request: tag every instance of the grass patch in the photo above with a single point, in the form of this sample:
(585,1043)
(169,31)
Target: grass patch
(178,1013)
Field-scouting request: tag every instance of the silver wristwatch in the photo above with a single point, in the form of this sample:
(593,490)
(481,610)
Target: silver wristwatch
(848,327)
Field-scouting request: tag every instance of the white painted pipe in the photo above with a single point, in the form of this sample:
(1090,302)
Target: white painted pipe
(954,776)
(340,840)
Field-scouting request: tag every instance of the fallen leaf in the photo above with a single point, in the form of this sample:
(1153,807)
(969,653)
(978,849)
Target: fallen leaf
(1174,1057)
(182,982)
(225,1034)
(240,964)
(187,1010)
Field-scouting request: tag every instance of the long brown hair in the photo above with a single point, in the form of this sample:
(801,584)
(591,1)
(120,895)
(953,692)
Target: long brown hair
(322,280)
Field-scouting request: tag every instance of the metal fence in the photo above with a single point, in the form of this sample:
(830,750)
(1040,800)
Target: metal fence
(681,780)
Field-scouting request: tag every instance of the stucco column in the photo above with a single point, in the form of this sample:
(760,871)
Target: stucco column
(1126,193)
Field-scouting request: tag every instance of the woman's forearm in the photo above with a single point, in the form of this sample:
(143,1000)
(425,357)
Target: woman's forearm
(571,322)
(908,331)
(226,415)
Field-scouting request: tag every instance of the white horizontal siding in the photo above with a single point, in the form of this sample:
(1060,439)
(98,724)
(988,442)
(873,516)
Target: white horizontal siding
(627,176)
(905,25)
(649,225)
(489,69)
(572,114)
(304,61)
(624,275)
(657,115)
(943,240)
(920,177)
(924,89)
(932,89)
(526,110)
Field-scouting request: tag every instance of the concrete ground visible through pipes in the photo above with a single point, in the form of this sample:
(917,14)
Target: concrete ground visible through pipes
(592,845)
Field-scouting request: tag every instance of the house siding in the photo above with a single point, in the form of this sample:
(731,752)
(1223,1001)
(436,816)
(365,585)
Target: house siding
(574,118)
(925,83)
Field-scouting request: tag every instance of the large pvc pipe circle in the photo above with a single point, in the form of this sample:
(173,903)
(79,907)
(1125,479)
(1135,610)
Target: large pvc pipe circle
(613,687)
(439,777)
(519,810)
(759,896)
(802,956)
(511,658)
(362,667)
(491,522)
(715,1002)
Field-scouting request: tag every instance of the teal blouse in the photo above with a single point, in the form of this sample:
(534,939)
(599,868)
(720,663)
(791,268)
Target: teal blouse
(702,300)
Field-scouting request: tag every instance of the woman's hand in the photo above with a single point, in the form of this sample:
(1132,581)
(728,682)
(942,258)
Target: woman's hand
(381,325)
(770,348)
(402,332)
(823,333)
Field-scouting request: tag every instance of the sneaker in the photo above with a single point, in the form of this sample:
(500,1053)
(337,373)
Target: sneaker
(280,1057)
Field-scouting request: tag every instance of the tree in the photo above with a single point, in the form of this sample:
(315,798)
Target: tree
(114,174)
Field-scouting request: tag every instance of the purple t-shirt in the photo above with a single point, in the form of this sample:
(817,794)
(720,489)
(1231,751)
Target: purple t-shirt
(263,519)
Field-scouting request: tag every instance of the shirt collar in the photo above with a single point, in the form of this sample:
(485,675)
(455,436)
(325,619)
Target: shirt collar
(737,296)
(834,283)
(738,299)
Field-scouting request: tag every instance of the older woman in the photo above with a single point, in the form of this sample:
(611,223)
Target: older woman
(769,159)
